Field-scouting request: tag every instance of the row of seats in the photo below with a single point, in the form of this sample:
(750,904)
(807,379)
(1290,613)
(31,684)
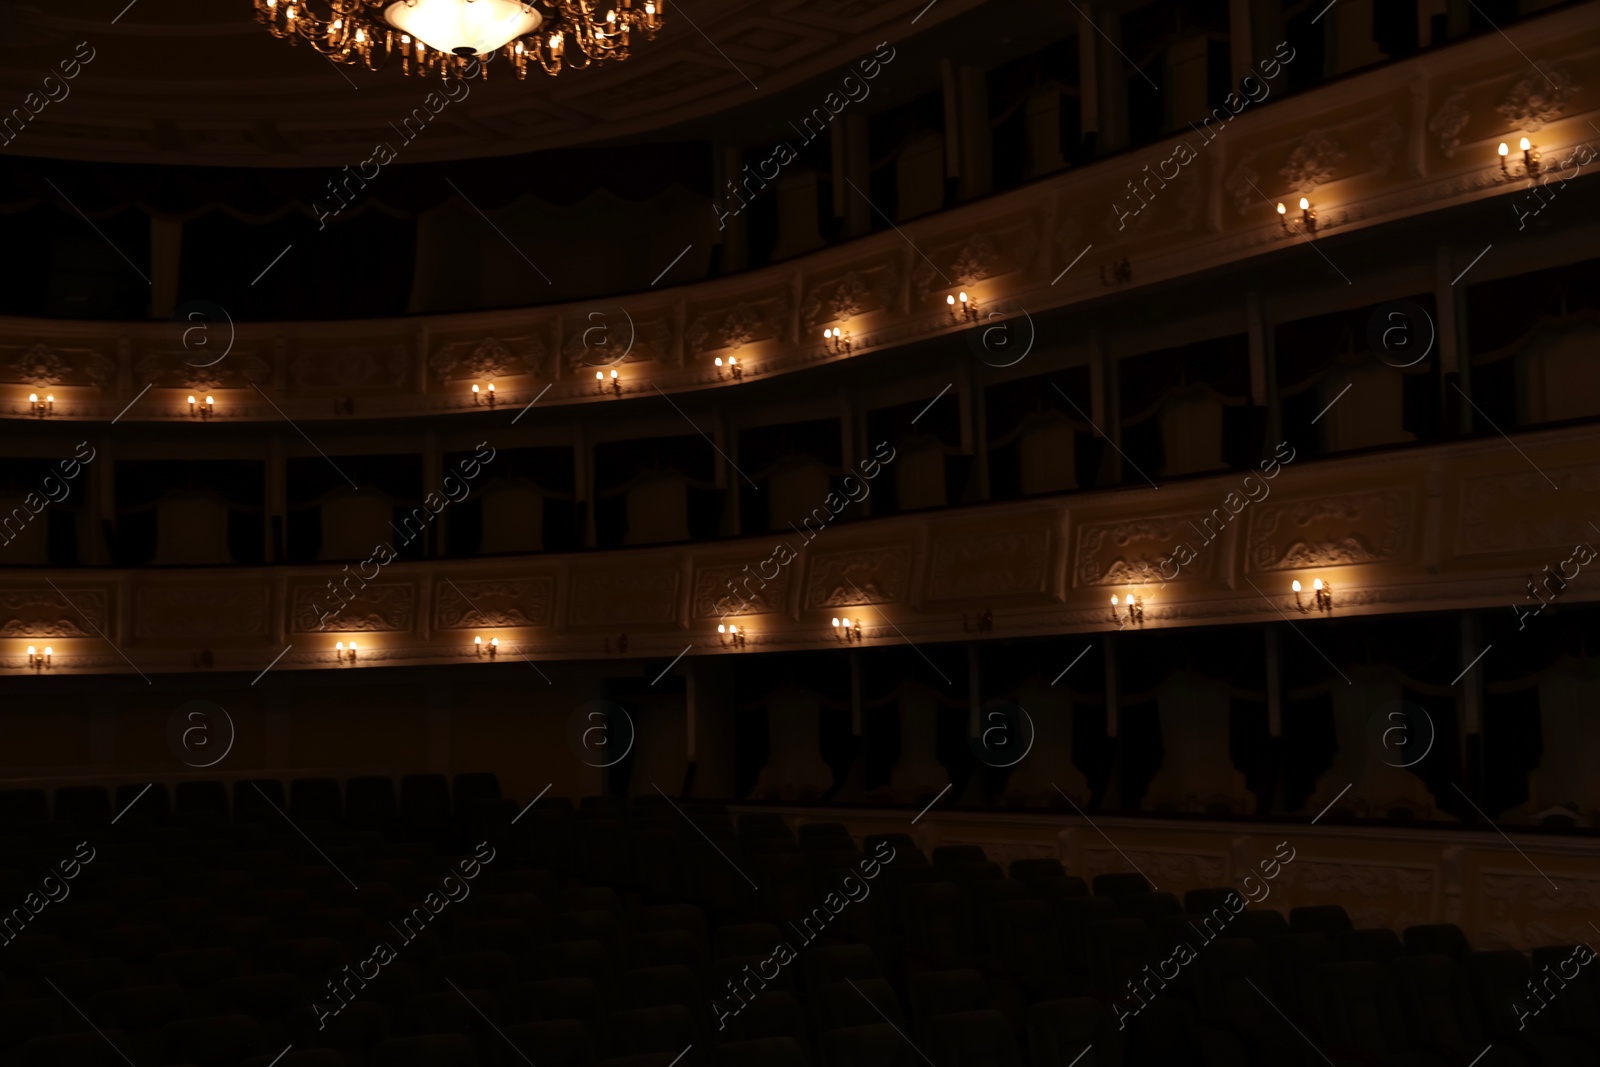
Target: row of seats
(597,935)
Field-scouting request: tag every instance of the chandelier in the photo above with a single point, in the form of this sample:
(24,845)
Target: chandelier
(452,37)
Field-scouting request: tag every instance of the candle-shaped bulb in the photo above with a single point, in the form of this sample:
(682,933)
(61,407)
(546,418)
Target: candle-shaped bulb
(191,401)
(845,623)
(1295,585)
(613,375)
(1281,208)
(474,388)
(963,298)
(352,646)
(491,387)
(598,376)
(494,642)
(1113,600)
(733,361)
(1503,149)
(1525,145)
(32,650)
(1317,584)
(33,398)
(718,361)
(721,629)
(950,300)
(477,640)
(338,646)
(835,626)
(1304,204)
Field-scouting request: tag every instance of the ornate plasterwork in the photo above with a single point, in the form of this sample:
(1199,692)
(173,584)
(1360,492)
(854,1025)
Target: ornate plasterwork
(204,612)
(751,593)
(1537,98)
(760,319)
(376,608)
(1386,142)
(1131,552)
(494,602)
(857,292)
(983,564)
(1330,531)
(624,597)
(48,613)
(1448,122)
(1312,162)
(1242,183)
(175,370)
(42,365)
(865,576)
(350,368)
(1518,511)
(489,359)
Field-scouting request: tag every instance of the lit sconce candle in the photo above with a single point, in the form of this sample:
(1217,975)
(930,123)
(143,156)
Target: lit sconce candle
(964,309)
(494,646)
(1530,159)
(41,408)
(1283,217)
(475,394)
(1322,597)
(846,631)
(600,383)
(40,661)
(730,635)
(1308,215)
(491,394)
(733,367)
(837,341)
(343,653)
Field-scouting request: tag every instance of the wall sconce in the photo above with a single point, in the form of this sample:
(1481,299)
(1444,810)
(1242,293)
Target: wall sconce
(40,662)
(42,408)
(836,341)
(1530,160)
(1135,609)
(477,397)
(983,624)
(1308,216)
(342,653)
(730,635)
(600,383)
(1322,597)
(733,368)
(967,309)
(494,646)
(846,631)
(201,411)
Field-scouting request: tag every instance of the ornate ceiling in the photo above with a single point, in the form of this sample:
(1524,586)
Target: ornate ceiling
(200,82)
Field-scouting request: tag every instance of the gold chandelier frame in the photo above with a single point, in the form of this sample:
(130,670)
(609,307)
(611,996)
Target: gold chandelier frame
(573,34)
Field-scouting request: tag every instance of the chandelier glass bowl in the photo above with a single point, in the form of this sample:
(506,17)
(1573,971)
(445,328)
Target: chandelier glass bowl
(459,37)
(463,27)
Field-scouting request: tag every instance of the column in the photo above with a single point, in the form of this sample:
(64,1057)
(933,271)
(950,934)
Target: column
(977,146)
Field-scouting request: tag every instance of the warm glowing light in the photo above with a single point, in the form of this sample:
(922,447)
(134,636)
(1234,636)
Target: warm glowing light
(1316,584)
(477,640)
(950,300)
(209,401)
(33,398)
(1295,585)
(598,376)
(1304,203)
(718,361)
(826,334)
(474,388)
(733,361)
(613,375)
(491,387)
(1281,209)
(352,646)
(49,651)
(1113,600)
(835,623)
(1525,145)
(721,629)
(191,400)
(963,298)
(1503,149)
(494,642)
(845,623)
(338,646)
(33,651)
(474,27)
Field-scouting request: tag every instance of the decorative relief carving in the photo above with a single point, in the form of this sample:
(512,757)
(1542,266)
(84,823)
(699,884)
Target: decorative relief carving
(376,608)
(749,596)
(489,358)
(1312,162)
(174,370)
(350,368)
(1332,531)
(599,339)
(1448,122)
(989,564)
(868,576)
(218,612)
(740,326)
(762,319)
(1537,98)
(1184,869)
(494,602)
(1131,552)
(1515,513)
(1373,894)
(1241,184)
(1386,141)
(624,597)
(40,365)
(47,613)
(1521,911)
